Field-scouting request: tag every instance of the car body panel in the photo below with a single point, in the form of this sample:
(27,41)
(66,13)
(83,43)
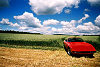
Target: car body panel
(79,47)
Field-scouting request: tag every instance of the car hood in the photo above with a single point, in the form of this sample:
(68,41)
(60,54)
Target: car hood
(81,46)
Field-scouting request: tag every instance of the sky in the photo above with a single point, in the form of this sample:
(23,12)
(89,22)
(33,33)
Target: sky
(70,17)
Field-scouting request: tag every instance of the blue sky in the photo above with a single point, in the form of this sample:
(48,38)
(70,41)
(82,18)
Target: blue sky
(72,17)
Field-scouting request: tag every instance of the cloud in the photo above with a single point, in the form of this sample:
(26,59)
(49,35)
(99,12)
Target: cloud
(70,24)
(74,28)
(4,3)
(6,22)
(83,18)
(57,31)
(14,25)
(26,29)
(43,30)
(27,19)
(50,22)
(67,11)
(87,10)
(41,7)
(94,2)
(69,28)
(97,21)
(65,30)
(88,28)
(47,28)
(28,23)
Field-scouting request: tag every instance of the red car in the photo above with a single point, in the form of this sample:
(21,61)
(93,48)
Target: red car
(76,46)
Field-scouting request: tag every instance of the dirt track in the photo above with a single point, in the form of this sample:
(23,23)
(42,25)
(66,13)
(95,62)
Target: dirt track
(11,57)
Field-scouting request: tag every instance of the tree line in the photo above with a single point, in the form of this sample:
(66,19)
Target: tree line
(19,32)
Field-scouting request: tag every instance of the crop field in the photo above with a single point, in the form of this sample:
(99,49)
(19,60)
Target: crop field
(32,41)
(30,50)
(12,57)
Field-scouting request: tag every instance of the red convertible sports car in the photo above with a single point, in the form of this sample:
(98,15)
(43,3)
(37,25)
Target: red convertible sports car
(76,46)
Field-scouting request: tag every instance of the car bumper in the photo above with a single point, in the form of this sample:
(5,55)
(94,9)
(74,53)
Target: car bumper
(83,52)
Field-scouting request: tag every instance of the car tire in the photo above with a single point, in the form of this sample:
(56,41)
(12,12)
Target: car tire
(91,55)
(65,48)
(69,52)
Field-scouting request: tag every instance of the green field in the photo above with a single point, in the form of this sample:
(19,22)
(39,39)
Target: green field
(32,41)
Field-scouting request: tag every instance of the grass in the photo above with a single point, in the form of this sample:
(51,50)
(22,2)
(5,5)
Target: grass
(32,47)
(31,41)
(50,42)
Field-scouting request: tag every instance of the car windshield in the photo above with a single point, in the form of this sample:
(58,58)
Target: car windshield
(75,40)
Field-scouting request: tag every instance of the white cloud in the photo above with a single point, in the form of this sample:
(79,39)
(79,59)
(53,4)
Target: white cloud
(67,28)
(46,29)
(70,28)
(88,28)
(97,21)
(64,30)
(15,25)
(94,2)
(86,10)
(29,23)
(6,22)
(67,11)
(50,22)
(74,28)
(73,22)
(27,19)
(42,30)
(83,18)
(57,30)
(41,7)
(23,28)
(66,24)
(54,29)
(70,24)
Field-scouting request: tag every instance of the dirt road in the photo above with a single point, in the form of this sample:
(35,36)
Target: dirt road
(12,57)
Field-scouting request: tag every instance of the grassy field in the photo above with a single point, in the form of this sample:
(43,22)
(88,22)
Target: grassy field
(50,54)
(31,41)
(48,42)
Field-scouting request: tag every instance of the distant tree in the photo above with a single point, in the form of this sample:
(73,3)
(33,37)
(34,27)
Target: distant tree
(99,38)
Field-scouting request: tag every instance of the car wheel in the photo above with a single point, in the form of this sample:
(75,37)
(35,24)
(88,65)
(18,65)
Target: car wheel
(69,52)
(91,55)
(65,48)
